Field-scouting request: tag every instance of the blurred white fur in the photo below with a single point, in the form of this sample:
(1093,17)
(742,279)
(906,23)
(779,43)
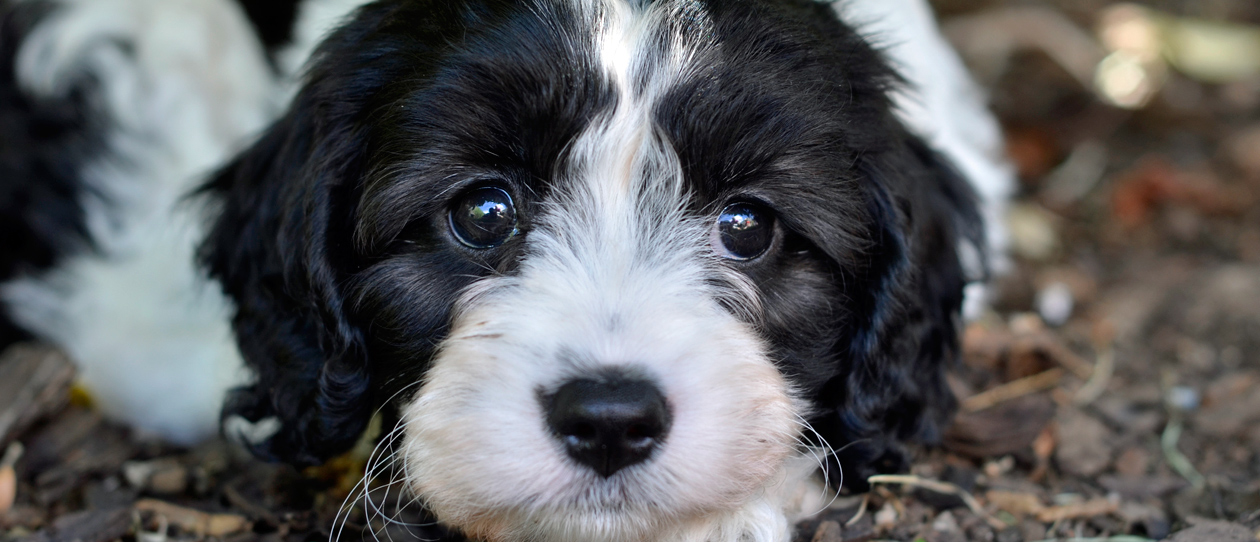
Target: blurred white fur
(182,85)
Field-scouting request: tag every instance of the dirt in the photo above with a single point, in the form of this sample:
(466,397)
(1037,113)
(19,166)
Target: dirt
(1136,417)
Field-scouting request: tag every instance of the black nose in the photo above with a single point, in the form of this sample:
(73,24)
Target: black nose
(609,424)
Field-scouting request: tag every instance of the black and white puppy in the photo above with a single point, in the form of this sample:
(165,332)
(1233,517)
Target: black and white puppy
(621,267)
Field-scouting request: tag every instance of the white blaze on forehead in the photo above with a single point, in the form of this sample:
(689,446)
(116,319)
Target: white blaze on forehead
(622,211)
(627,32)
(622,165)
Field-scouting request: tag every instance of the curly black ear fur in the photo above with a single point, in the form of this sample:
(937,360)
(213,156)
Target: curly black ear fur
(271,250)
(907,318)
(280,247)
(283,247)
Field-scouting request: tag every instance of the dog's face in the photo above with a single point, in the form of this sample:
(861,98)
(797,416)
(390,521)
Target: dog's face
(610,257)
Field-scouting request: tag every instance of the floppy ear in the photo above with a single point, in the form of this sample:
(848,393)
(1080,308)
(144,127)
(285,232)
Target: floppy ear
(282,248)
(907,315)
(274,249)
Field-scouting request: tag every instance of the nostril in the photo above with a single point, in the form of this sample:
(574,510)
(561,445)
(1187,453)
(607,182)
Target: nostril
(608,424)
(640,434)
(581,432)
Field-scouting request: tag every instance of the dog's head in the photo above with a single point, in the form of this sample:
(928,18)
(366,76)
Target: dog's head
(607,259)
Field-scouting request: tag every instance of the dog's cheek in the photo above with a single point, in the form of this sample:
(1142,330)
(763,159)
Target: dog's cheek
(735,421)
(475,437)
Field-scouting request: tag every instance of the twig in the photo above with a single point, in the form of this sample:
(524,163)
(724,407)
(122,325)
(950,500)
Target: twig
(195,521)
(939,487)
(892,499)
(12,454)
(1013,390)
(1177,460)
(1087,509)
(8,477)
(1065,357)
(861,511)
(1097,383)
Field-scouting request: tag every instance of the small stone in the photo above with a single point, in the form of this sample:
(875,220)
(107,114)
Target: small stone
(169,481)
(1184,398)
(995,469)
(828,531)
(886,517)
(1011,534)
(1244,148)
(945,522)
(1055,303)
(1083,448)
(1133,462)
(1214,531)
(88,526)
(1142,487)
(1032,232)
(159,476)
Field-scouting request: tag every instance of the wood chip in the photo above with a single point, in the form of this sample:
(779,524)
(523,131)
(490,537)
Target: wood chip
(34,383)
(8,477)
(195,521)
(1043,449)
(8,488)
(828,531)
(1018,504)
(1088,509)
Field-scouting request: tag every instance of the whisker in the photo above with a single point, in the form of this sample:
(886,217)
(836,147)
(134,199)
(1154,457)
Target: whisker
(376,459)
(828,451)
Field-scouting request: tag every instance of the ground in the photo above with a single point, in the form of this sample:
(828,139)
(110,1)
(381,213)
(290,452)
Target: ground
(1113,393)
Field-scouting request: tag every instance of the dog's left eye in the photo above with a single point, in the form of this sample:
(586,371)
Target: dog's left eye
(744,231)
(483,217)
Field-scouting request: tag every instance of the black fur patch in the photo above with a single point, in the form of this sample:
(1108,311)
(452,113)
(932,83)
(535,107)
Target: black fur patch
(46,141)
(272,19)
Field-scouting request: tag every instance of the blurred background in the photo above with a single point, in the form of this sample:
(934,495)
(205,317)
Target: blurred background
(1114,394)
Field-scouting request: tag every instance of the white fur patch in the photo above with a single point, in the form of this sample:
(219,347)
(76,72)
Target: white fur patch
(315,20)
(183,84)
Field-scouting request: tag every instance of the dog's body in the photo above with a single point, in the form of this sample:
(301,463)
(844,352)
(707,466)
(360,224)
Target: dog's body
(618,266)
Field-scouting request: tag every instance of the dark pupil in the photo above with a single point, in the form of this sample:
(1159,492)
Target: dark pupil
(483,217)
(746,230)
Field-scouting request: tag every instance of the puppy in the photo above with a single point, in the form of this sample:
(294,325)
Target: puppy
(621,268)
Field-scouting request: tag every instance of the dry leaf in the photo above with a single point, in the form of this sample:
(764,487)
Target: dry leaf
(1016,503)
(8,488)
(195,521)
(1087,509)
(8,477)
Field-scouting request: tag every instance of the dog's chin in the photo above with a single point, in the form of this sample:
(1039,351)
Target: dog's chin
(759,519)
(479,454)
(608,512)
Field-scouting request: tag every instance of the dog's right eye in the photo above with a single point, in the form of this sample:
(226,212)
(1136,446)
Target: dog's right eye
(743,231)
(483,217)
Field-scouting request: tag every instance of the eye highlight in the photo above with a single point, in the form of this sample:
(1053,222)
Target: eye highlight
(743,231)
(483,217)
